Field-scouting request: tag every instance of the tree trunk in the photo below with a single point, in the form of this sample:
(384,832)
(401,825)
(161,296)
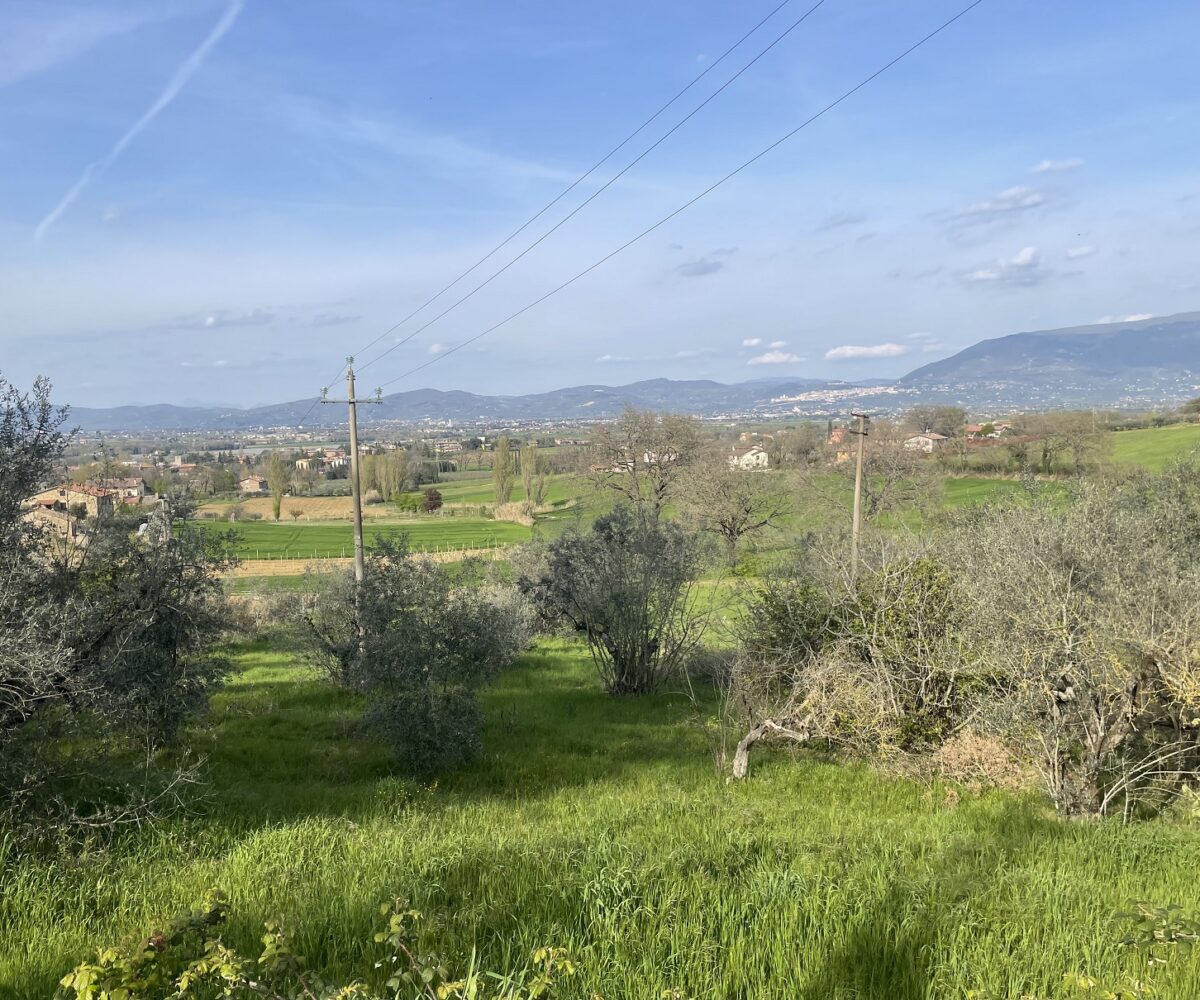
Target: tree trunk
(741,759)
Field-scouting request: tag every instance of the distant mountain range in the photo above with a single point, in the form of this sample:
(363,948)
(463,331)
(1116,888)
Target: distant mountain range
(1135,364)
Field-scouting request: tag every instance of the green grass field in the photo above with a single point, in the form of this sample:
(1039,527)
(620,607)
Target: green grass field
(602,825)
(300,540)
(1154,448)
(472,488)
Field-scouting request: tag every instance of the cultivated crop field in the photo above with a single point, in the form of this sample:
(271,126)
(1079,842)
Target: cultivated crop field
(292,540)
(601,825)
(311,508)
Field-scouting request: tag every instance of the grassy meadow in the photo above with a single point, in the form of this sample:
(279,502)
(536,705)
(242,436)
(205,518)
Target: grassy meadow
(1154,448)
(316,540)
(603,826)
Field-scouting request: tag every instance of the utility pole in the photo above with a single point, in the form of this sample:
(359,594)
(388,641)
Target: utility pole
(858,474)
(355,487)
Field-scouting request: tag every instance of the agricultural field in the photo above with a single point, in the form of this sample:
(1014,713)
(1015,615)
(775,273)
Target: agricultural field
(601,825)
(300,540)
(1154,448)
(310,508)
(479,490)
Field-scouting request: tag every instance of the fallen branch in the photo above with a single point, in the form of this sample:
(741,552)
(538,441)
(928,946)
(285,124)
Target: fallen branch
(741,757)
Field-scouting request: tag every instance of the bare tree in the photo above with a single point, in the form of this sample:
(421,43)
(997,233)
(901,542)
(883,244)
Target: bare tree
(894,478)
(731,502)
(945,420)
(643,457)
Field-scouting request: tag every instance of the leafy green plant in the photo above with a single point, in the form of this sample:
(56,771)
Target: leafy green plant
(1160,933)
(189,960)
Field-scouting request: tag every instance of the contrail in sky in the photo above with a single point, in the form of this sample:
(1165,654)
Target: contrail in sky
(169,93)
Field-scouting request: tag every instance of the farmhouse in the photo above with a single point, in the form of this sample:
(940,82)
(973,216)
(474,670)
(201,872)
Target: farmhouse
(253,484)
(926,442)
(754,457)
(839,444)
(130,490)
(94,501)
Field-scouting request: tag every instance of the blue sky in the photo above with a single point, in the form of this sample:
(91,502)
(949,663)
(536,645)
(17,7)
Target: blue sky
(214,201)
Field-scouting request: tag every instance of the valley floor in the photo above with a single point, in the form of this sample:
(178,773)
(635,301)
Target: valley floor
(603,826)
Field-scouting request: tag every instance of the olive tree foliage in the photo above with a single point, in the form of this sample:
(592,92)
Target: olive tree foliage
(106,643)
(874,668)
(1065,631)
(1091,615)
(31,442)
(643,457)
(627,585)
(733,503)
(419,645)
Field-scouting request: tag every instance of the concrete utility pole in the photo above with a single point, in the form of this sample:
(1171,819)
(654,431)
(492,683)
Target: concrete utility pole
(355,487)
(858,474)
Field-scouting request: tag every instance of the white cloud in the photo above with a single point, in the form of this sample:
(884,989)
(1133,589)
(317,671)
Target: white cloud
(435,348)
(1077,253)
(1132,318)
(613,357)
(1008,202)
(855,352)
(752,342)
(177,82)
(1055,166)
(778,343)
(1022,270)
(776,358)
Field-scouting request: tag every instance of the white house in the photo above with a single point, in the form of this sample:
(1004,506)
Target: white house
(925,442)
(754,457)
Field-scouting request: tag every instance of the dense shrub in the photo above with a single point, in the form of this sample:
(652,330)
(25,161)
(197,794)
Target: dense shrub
(1065,634)
(106,643)
(626,584)
(419,644)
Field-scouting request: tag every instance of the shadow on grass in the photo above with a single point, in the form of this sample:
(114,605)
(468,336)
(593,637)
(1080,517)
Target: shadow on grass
(895,947)
(283,742)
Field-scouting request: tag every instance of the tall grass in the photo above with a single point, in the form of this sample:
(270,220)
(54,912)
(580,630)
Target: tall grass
(602,825)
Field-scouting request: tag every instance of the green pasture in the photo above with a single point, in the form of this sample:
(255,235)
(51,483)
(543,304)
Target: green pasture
(603,826)
(1156,447)
(317,540)
(476,490)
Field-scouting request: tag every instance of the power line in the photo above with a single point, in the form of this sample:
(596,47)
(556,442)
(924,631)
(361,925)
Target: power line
(605,186)
(562,194)
(688,204)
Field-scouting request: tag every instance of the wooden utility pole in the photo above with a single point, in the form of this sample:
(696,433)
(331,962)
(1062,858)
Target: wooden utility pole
(355,482)
(858,474)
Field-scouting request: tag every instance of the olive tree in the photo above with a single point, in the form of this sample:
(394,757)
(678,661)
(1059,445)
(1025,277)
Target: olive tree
(872,667)
(1091,613)
(627,585)
(106,640)
(419,645)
